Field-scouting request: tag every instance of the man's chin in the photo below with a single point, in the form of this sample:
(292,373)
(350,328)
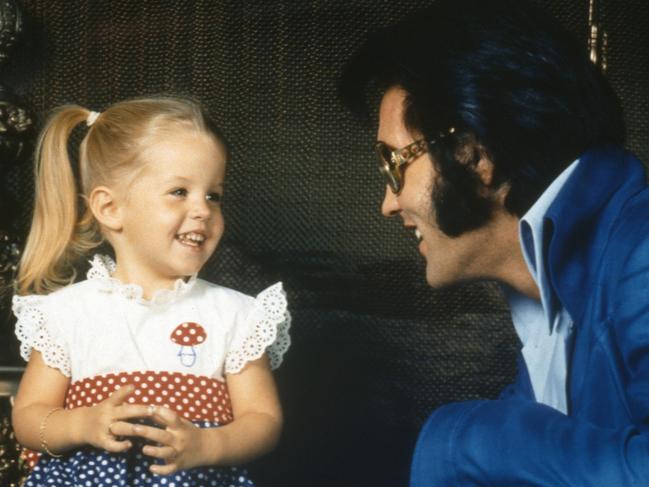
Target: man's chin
(436,280)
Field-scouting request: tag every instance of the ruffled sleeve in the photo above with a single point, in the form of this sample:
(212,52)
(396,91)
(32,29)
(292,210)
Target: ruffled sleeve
(263,328)
(36,330)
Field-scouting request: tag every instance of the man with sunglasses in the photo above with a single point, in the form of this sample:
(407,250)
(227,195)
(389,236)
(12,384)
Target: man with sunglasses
(501,147)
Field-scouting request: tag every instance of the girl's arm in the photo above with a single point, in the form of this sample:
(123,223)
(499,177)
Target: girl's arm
(255,430)
(257,417)
(38,425)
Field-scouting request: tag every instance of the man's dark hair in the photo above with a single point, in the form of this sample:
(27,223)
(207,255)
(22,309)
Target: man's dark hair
(509,78)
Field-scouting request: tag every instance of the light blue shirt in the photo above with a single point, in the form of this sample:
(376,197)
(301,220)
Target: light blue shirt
(544,327)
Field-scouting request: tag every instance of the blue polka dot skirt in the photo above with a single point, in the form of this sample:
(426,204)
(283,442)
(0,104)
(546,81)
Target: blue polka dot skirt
(91,467)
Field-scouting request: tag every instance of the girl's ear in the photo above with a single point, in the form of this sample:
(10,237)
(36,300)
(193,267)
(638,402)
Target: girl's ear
(104,204)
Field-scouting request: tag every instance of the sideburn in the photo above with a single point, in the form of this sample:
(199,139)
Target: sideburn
(460,199)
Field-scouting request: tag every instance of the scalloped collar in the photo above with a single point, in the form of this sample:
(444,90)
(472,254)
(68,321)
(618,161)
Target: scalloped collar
(102,268)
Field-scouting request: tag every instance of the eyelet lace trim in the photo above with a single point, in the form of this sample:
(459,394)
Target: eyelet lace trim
(269,333)
(102,268)
(33,333)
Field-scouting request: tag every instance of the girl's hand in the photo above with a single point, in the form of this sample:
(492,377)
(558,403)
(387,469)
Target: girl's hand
(179,442)
(106,420)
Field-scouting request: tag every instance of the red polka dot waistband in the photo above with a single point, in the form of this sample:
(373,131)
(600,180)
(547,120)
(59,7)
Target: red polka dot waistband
(196,398)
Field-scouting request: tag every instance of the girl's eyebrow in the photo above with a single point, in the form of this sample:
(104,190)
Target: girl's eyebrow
(183,179)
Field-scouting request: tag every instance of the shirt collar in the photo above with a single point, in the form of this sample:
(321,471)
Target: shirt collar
(534,234)
(102,268)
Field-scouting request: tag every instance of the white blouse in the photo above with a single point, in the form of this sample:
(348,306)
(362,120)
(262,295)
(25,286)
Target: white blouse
(101,326)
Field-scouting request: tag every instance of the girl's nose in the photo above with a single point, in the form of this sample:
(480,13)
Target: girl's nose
(200,209)
(390,205)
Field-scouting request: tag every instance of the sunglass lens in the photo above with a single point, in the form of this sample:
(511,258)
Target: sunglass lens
(387,168)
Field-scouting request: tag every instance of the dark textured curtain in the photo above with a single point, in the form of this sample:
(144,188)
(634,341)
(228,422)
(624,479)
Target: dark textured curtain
(374,350)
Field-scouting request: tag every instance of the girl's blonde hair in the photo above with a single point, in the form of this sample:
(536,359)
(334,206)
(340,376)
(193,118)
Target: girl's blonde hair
(63,228)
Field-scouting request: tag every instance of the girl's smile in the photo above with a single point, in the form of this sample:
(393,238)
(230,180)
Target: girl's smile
(170,216)
(193,239)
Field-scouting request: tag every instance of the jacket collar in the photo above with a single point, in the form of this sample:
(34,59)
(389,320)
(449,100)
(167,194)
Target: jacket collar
(581,218)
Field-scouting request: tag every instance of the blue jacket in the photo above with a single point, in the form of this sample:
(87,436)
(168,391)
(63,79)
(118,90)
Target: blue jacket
(598,263)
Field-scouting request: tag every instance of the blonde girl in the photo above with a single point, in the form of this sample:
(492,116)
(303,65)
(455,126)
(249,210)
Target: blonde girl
(141,374)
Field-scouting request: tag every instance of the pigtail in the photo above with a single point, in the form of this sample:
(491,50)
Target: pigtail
(59,235)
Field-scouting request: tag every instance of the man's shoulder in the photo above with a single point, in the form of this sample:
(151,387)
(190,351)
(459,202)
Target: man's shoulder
(632,225)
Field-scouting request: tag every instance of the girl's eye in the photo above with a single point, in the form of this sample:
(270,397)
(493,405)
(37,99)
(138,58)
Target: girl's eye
(214,197)
(179,192)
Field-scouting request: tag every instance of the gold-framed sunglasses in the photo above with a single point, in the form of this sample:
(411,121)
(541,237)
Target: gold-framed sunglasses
(393,162)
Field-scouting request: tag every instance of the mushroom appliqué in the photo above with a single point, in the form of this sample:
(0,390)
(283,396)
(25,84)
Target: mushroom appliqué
(188,335)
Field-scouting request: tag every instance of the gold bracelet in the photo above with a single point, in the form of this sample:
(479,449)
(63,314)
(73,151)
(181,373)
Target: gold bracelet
(41,433)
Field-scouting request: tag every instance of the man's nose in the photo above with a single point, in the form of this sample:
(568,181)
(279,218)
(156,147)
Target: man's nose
(390,205)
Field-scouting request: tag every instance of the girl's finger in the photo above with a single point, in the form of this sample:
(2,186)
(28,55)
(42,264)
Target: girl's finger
(165,417)
(165,469)
(122,428)
(117,446)
(151,433)
(166,453)
(120,395)
(132,411)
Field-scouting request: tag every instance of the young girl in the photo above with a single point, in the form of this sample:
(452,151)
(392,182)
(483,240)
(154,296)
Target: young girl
(142,374)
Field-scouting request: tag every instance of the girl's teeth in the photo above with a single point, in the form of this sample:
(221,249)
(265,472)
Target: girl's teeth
(193,238)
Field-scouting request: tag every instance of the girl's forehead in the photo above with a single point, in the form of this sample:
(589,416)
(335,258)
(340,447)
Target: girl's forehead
(184,154)
(182,141)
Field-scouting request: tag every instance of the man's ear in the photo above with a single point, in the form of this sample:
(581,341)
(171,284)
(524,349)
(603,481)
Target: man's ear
(476,157)
(105,206)
(485,171)
(484,168)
